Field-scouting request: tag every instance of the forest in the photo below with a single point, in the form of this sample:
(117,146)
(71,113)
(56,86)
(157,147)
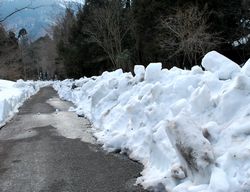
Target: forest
(105,35)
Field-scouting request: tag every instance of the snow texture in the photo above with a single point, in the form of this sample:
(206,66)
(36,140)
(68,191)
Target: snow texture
(189,128)
(13,94)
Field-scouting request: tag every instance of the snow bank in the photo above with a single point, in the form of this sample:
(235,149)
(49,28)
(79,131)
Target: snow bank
(13,94)
(190,129)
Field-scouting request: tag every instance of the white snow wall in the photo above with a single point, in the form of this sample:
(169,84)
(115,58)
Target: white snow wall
(150,115)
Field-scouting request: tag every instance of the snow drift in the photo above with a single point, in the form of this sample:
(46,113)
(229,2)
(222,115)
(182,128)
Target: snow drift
(13,94)
(189,128)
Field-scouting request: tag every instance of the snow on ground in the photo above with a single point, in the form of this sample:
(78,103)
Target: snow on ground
(189,128)
(13,94)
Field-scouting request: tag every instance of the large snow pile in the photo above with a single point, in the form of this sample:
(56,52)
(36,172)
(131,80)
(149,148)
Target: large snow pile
(13,94)
(189,128)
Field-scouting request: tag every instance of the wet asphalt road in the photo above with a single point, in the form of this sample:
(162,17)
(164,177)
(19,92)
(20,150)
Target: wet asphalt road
(36,158)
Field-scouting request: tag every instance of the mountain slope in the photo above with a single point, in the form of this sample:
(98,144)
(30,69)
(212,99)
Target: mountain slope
(35,21)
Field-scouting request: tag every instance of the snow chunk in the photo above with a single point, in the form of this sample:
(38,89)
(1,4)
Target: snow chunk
(242,82)
(246,68)
(139,71)
(197,70)
(220,65)
(194,151)
(153,72)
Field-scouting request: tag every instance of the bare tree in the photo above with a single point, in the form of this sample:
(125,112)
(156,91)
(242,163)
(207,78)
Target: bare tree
(186,35)
(107,29)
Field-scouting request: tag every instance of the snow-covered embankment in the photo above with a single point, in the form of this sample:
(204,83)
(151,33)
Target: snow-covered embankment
(190,129)
(13,94)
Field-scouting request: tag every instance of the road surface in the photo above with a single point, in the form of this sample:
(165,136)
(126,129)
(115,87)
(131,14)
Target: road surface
(38,155)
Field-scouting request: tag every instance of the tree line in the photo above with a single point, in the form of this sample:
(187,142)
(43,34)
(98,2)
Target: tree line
(20,58)
(9,54)
(104,35)
(110,34)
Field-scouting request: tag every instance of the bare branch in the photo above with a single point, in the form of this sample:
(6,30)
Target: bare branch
(20,9)
(186,35)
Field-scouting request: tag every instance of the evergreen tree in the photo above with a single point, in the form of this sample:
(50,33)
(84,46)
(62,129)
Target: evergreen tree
(147,14)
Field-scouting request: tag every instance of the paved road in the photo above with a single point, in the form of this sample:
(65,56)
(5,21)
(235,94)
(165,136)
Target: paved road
(35,157)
